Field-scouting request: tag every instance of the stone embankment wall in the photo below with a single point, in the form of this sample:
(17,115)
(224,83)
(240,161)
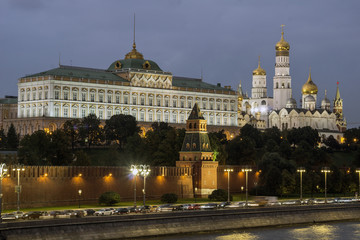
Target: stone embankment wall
(117,227)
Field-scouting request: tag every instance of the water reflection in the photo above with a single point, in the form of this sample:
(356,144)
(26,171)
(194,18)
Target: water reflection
(333,231)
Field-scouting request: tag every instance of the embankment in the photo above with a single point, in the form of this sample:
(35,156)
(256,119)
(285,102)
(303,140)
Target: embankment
(144,225)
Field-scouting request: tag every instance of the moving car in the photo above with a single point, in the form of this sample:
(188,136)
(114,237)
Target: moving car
(103,212)
(32,215)
(8,216)
(120,211)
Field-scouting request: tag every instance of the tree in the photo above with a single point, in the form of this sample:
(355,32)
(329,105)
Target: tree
(241,151)
(250,132)
(81,159)
(109,198)
(218,143)
(59,153)
(71,129)
(35,149)
(288,182)
(90,130)
(12,138)
(3,139)
(119,128)
(332,143)
(219,195)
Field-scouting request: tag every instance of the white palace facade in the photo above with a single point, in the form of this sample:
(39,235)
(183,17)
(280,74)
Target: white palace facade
(131,85)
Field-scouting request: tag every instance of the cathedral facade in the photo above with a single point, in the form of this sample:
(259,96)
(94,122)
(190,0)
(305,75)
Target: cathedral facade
(282,110)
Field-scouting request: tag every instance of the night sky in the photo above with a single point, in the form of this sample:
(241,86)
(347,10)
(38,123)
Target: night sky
(221,39)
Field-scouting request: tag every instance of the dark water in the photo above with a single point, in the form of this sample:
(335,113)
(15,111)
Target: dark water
(335,230)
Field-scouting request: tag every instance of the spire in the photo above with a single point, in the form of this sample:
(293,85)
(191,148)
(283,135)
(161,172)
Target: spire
(196,113)
(282,31)
(337,91)
(134,54)
(259,70)
(240,91)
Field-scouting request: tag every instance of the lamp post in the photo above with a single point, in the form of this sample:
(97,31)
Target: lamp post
(18,186)
(3,173)
(80,191)
(246,170)
(301,170)
(144,170)
(228,170)
(325,170)
(134,170)
(358,171)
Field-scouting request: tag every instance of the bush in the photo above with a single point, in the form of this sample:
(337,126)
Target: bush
(219,195)
(169,198)
(109,198)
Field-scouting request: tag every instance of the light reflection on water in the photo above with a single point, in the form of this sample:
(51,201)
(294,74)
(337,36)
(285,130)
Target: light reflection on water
(336,231)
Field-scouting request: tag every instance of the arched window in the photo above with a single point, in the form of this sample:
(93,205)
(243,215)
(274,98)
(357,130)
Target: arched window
(190,126)
(194,125)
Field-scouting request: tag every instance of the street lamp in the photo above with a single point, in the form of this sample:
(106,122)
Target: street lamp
(134,170)
(3,173)
(80,191)
(246,170)
(18,186)
(228,170)
(301,170)
(358,171)
(325,170)
(144,170)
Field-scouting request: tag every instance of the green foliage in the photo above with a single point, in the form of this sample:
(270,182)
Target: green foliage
(12,138)
(81,159)
(218,143)
(241,151)
(249,132)
(169,198)
(89,131)
(119,128)
(219,195)
(109,198)
(71,129)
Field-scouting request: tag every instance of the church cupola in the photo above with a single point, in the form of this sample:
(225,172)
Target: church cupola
(325,103)
(309,94)
(258,89)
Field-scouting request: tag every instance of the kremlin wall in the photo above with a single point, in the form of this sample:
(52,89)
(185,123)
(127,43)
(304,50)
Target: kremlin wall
(59,185)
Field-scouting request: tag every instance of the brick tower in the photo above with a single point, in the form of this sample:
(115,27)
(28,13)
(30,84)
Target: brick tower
(196,153)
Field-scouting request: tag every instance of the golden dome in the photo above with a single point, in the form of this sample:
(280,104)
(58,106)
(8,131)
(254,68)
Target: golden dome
(259,70)
(309,87)
(134,54)
(282,45)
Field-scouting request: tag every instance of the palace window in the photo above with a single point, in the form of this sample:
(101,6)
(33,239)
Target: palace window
(57,112)
(92,110)
(101,114)
(166,117)
(66,95)
(22,97)
(150,101)
(211,106)
(204,105)
(117,112)
(126,99)
(101,97)
(225,106)
(134,100)
(158,117)
(174,103)
(211,120)
(34,96)
(83,112)
(74,96)
(158,101)
(66,112)
(166,102)
(174,117)
(232,107)
(218,120)
(218,106)
(150,116)
(108,115)
(83,96)
(117,99)
(182,103)
(57,93)
(34,112)
(92,97)
(189,103)
(40,95)
(109,98)
(142,116)
(74,110)
(142,100)
(46,94)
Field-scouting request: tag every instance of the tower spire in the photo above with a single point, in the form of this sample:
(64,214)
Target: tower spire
(282,30)
(134,44)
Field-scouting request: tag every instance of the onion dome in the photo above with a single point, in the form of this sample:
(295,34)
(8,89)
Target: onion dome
(291,103)
(282,47)
(309,98)
(309,87)
(259,70)
(134,54)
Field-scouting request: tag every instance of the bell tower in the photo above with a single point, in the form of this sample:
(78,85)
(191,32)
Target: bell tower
(196,153)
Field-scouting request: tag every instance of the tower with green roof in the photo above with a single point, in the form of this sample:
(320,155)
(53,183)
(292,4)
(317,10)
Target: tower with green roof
(196,153)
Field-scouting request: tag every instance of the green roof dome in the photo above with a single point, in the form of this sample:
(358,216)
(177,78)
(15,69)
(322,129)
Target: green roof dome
(135,64)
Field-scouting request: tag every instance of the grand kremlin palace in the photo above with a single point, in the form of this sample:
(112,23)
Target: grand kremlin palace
(132,85)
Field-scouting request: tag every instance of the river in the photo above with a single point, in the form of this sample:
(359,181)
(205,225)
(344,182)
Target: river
(321,231)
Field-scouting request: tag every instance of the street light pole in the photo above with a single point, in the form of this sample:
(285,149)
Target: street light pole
(228,170)
(80,191)
(246,170)
(3,172)
(144,170)
(325,170)
(18,187)
(358,171)
(134,169)
(301,170)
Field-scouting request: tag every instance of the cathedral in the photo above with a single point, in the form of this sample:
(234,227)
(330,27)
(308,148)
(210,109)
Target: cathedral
(282,111)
